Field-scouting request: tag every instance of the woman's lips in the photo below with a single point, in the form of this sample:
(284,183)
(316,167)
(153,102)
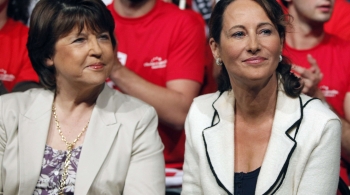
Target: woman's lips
(96,66)
(324,8)
(254,60)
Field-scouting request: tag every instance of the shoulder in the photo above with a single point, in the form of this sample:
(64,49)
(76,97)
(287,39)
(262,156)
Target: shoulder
(171,12)
(17,27)
(210,97)
(317,109)
(336,41)
(23,99)
(318,118)
(122,104)
(202,108)
(206,101)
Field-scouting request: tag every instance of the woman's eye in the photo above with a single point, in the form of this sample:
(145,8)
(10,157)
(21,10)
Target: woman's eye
(104,36)
(78,40)
(266,31)
(238,34)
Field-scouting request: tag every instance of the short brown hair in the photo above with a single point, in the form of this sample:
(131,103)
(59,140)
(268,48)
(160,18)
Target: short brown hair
(52,19)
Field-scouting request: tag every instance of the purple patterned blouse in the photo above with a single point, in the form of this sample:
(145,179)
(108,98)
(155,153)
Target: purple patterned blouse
(52,170)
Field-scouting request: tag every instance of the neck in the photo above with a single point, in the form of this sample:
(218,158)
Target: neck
(257,102)
(304,34)
(129,9)
(3,14)
(70,99)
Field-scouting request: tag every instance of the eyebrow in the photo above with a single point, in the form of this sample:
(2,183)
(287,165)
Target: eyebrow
(259,25)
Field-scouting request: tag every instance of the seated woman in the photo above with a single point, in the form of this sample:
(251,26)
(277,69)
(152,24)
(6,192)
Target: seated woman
(258,134)
(77,135)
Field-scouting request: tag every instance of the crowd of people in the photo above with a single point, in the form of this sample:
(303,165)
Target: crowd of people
(149,97)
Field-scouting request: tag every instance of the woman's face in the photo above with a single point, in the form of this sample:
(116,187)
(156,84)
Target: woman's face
(249,43)
(83,59)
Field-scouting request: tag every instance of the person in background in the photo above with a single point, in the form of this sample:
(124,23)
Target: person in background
(339,24)
(161,53)
(258,134)
(77,136)
(16,71)
(322,61)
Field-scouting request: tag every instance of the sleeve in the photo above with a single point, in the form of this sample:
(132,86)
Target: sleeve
(321,173)
(186,59)
(146,174)
(191,182)
(3,139)
(26,71)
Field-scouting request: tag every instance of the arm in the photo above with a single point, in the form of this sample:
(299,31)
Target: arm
(146,170)
(184,72)
(322,169)
(191,181)
(171,103)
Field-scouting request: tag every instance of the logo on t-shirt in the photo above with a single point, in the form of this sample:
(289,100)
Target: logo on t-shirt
(122,57)
(156,63)
(328,92)
(6,77)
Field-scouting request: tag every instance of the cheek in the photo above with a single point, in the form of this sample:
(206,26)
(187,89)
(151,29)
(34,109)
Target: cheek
(232,51)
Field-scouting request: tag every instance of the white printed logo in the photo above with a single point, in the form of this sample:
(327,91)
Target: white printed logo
(327,92)
(122,57)
(156,63)
(6,77)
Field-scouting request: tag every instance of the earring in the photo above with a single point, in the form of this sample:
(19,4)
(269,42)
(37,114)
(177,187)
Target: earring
(280,58)
(218,61)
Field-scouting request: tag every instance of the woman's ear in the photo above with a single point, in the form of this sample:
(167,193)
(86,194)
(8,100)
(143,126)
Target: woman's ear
(49,61)
(214,48)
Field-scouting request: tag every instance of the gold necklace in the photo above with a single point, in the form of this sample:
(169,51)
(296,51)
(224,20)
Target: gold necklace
(69,150)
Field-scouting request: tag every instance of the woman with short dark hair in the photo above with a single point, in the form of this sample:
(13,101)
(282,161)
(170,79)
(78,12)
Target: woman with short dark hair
(77,136)
(258,134)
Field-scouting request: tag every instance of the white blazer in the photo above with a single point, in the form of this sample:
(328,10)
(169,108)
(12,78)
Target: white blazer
(302,157)
(122,152)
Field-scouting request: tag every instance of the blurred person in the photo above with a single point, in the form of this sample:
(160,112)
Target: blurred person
(258,134)
(161,54)
(16,71)
(339,24)
(77,136)
(322,61)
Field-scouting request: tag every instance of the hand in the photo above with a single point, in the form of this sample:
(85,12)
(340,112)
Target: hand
(117,65)
(310,77)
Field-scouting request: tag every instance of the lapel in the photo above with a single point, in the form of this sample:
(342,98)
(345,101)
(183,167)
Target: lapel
(281,145)
(99,138)
(218,141)
(32,132)
(219,137)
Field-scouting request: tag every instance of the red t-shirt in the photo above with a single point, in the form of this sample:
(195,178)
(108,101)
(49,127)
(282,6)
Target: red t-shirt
(163,45)
(332,56)
(339,24)
(15,65)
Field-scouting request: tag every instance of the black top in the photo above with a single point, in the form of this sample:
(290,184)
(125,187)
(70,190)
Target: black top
(245,183)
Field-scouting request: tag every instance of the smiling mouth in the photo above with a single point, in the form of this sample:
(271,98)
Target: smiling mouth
(254,60)
(96,66)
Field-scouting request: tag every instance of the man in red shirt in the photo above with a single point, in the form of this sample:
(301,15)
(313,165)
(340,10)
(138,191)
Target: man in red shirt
(339,24)
(161,53)
(16,71)
(322,61)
